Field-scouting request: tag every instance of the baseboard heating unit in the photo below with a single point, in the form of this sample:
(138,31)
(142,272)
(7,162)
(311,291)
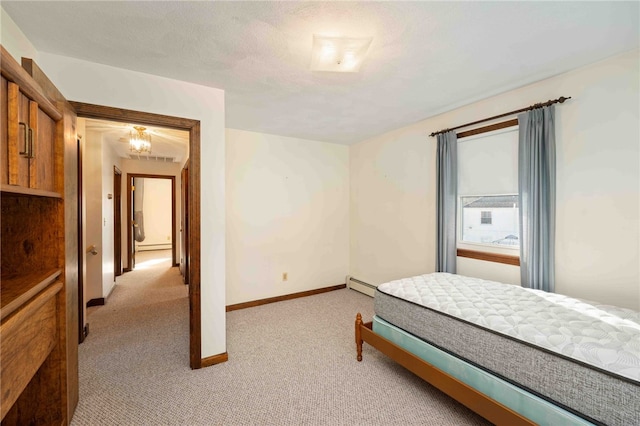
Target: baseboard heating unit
(361,286)
(150,247)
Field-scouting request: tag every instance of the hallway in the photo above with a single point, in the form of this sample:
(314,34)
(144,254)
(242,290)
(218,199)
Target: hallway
(148,309)
(152,281)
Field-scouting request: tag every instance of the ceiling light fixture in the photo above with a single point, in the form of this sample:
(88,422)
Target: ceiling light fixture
(139,140)
(338,54)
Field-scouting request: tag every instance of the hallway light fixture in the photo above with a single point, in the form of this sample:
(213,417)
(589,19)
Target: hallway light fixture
(139,140)
(338,54)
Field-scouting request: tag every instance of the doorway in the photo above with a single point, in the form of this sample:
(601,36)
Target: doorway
(193,207)
(136,212)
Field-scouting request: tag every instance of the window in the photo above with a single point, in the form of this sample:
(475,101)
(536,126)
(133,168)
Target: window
(485,218)
(490,219)
(488,185)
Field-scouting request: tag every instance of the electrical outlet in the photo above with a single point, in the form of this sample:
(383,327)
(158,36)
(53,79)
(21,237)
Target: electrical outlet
(285,276)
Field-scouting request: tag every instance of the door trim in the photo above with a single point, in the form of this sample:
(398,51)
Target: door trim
(82,330)
(184,225)
(193,127)
(117,222)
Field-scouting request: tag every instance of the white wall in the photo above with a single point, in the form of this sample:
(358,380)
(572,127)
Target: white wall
(507,274)
(109,160)
(92,190)
(598,187)
(156,208)
(82,136)
(391,206)
(13,39)
(103,85)
(98,162)
(287,211)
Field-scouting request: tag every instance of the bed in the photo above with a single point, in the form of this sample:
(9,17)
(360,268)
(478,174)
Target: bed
(513,355)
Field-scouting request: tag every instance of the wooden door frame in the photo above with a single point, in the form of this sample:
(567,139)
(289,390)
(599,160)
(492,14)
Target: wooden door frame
(117,222)
(193,127)
(130,177)
(82,329)
(184,226)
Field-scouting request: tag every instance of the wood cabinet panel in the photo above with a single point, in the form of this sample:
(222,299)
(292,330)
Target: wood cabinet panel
(17,171)
(17,290)
(30,237)
(43,176)
(18,128)
(28,337)
(28,143)
(4,137)
(37,386)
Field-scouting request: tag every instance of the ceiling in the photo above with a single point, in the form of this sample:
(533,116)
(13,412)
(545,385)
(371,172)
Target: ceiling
(425,58)
(167,145)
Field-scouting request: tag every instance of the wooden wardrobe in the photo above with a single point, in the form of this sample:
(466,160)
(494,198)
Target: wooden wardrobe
(38,280)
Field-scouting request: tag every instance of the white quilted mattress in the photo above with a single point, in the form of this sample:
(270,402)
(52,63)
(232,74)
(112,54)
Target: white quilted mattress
(605,337)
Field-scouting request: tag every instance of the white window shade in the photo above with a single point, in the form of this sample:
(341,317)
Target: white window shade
(488,163)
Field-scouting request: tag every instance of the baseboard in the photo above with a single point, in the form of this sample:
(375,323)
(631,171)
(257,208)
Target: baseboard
(254,303)
(213,360)
(95,302)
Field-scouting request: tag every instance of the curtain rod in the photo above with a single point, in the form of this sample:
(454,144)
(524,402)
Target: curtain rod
(560,100)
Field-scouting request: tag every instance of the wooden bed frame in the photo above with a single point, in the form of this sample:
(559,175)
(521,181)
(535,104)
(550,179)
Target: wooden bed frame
(461,392)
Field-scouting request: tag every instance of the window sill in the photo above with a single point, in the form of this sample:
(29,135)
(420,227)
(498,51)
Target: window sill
(489,257)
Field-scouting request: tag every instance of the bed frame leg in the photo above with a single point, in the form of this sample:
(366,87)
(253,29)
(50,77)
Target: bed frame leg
(359,336)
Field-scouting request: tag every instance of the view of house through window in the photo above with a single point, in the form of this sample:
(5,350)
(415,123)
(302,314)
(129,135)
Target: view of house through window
(490,219)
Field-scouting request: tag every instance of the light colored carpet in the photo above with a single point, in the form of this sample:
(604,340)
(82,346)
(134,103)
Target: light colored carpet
(290,363)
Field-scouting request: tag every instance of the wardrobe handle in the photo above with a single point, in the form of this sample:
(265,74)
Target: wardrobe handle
(31,153)
(27,149)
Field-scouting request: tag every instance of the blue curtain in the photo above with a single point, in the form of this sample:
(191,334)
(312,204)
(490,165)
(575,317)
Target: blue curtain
(537,192)
(446,201)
